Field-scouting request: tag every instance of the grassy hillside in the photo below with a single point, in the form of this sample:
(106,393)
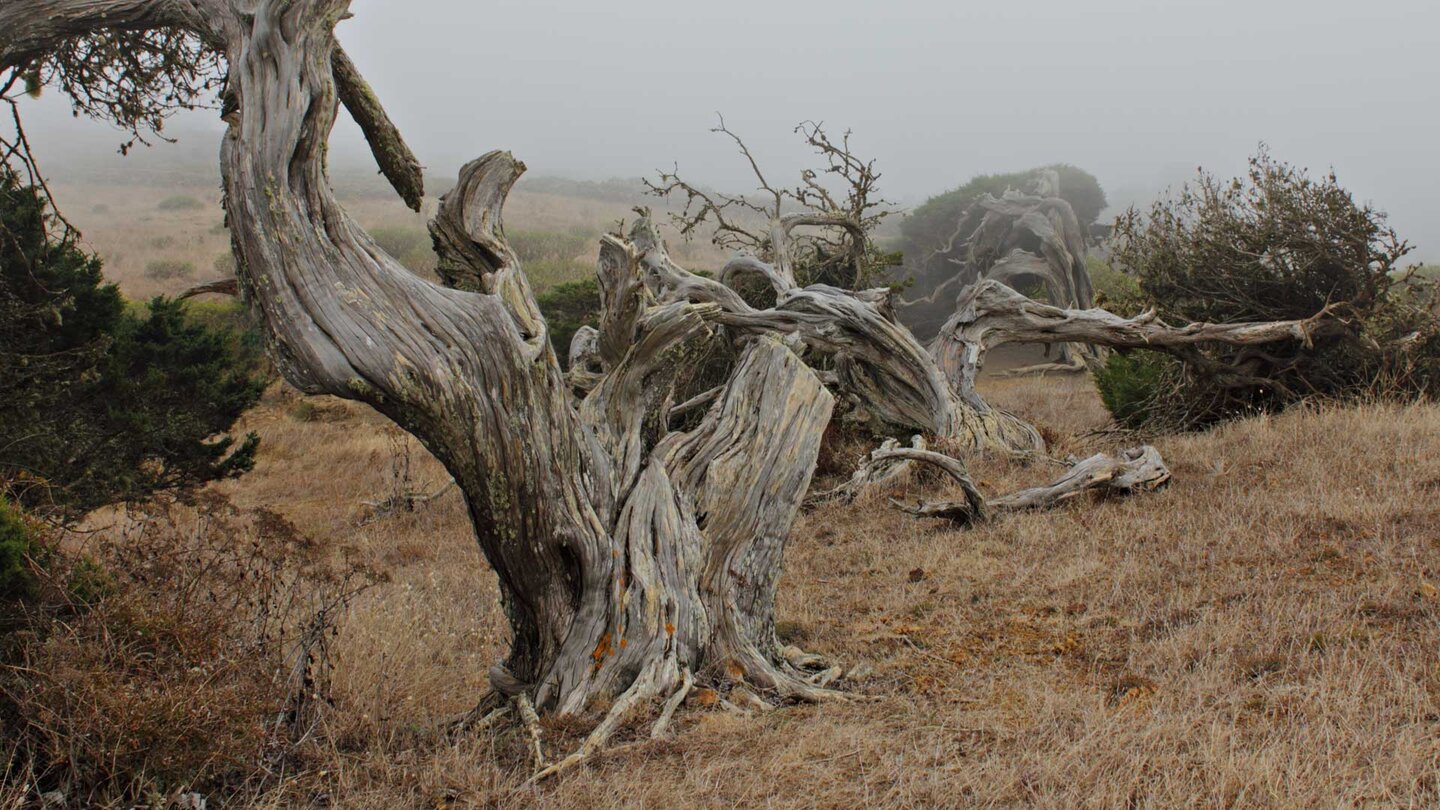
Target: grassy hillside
(163,237)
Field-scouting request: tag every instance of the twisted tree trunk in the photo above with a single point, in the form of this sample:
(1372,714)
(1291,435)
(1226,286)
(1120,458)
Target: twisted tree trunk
(627,553)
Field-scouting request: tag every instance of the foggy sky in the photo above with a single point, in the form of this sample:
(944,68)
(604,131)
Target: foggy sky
(1140,92)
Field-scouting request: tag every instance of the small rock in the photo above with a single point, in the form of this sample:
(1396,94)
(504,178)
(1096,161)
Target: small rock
(917,574)
(54,798)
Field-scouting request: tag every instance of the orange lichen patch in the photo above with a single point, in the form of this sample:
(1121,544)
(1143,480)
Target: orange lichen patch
(602,649)
(705,697)
(669,628)
(734,671)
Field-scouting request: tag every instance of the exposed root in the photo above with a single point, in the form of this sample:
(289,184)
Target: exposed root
(531,720)
(799,659)
(1139,469)
(880,469)
(644,688)
(407,501)
(687,681)
(488,710)
(748,701)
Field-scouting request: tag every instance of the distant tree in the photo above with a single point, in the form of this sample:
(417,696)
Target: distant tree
(931,226)
(103,402)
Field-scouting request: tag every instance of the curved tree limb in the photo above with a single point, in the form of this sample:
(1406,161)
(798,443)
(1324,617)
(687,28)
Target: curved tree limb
(990,314)
(1139,469)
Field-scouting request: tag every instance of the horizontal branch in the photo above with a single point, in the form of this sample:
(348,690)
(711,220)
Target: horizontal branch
(991,314)
(1139,469)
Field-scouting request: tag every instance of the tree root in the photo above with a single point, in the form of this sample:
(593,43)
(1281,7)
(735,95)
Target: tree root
(527,715)
(662,724)
(645,687)
(488,710)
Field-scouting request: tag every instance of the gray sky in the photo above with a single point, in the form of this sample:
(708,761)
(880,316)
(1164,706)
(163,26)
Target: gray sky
(1140,92)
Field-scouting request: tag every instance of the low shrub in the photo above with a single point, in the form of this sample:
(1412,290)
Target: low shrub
(180,202)
(168,269)
(566,308)
(198,664)
(1115,290)
(19,552)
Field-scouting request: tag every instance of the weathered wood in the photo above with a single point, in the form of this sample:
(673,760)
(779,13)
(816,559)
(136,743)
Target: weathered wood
(990,314)
(1139,469)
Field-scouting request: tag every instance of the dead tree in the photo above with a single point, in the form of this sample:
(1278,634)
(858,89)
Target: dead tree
(809,233)
(637,533)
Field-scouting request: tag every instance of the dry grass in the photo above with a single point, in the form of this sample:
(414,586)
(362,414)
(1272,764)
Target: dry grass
(1264,633)
(127,226)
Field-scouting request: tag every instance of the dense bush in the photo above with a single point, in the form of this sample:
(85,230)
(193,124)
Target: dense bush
(1115,290)
(18,549)
(1275,245)
(930,226)
(566,308)
(104,403)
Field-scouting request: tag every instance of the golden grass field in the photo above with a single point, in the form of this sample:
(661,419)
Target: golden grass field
(1264,633)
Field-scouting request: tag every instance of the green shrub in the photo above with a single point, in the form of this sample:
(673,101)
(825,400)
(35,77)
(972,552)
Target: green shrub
(168,269)
(1115,290)
(1276,245)
(1132,385)
(566,308)
(104,403)
(180,202)
(18,547)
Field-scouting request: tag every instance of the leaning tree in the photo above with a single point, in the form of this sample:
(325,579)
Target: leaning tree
(637,529)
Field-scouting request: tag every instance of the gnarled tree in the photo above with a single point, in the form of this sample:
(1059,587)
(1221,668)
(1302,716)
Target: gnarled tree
(637,532)
(1024,239)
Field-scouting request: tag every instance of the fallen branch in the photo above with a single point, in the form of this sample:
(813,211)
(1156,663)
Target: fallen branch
(1139,469)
